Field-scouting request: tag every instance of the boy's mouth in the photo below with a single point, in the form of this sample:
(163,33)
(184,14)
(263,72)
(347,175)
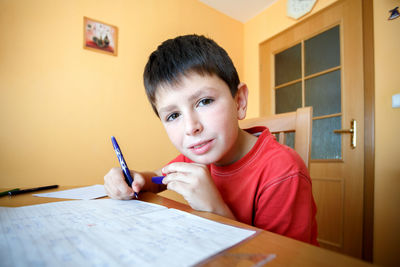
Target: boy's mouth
(201,148)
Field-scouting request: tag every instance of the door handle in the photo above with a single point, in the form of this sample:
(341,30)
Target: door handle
(352,131)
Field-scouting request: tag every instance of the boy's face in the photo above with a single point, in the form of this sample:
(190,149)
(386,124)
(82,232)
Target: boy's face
(201,117)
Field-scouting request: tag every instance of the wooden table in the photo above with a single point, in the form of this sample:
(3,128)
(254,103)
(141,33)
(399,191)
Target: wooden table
(289,252)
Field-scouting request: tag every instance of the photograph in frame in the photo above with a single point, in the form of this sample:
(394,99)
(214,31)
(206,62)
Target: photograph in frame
(99,36)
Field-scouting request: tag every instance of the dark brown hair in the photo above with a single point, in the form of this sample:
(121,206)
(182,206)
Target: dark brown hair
(182,55)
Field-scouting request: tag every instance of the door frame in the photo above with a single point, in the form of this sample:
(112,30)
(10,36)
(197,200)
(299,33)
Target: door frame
(369,128)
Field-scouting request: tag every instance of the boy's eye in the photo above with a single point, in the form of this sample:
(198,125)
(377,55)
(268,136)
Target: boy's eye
(205,101)
(172,116)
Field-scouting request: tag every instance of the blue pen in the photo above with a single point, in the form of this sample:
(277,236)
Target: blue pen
(124,167)
(157,179)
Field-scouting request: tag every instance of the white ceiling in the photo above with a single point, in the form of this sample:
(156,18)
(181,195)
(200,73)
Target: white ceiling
(241,10)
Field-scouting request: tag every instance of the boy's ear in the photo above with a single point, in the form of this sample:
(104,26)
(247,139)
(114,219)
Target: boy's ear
(241,100)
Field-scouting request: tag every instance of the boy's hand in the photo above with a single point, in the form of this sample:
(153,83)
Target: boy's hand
(117,188)
(193,181)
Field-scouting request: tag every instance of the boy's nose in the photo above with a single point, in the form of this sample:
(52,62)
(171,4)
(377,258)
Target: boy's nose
(193,125)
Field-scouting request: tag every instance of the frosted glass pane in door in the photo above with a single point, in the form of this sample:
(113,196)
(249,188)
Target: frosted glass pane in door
(289,139)
(288,65)
(322,51)
(288,98)
(323,93)
(325,143)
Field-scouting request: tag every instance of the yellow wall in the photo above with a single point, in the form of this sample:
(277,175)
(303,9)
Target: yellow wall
(387,134)
(60,103)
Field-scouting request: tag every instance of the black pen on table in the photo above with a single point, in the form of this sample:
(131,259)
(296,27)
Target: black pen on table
(23,191)
(7,192)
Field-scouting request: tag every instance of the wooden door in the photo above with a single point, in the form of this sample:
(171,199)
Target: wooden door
(336,168)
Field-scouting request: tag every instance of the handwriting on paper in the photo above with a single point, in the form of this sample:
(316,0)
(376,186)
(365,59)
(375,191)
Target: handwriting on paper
(109,232)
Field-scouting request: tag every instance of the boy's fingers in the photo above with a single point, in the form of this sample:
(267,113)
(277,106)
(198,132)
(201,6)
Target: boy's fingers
(124,190)
(119,191)
(180,188)
(115,185)
(138,182)
(175,177)
(175,167)
(183,167)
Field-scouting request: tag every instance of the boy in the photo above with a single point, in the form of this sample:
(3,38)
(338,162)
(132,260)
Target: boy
(195,90)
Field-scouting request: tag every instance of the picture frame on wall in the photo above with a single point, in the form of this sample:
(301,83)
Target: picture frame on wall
(100,37)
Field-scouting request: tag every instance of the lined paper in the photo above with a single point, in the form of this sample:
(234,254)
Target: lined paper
(109,232)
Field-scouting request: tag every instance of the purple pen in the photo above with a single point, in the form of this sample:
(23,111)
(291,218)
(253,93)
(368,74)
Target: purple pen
(124,167)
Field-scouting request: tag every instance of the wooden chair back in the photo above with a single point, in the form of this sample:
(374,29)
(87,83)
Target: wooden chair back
(299,121)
